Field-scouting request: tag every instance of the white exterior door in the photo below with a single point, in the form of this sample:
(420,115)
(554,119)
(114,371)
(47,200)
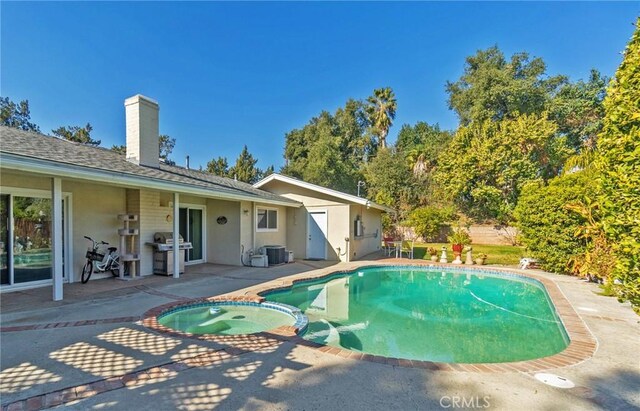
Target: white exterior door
(317,235)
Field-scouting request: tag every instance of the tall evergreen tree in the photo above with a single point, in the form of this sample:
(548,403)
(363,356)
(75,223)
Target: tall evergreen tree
(76,134)
(16,115)
(245,167)
(166,148)
(119,148)
(267,172)
(219,167)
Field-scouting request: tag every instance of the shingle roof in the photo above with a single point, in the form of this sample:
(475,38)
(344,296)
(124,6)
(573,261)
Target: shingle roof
(50,149)
(324,190)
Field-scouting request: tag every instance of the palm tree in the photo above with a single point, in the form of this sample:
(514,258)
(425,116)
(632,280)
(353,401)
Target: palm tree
(417,160)
(382,111)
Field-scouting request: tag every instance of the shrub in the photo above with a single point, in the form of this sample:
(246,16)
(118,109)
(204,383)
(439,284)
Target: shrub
(618,164)
(428,220)
(547,227)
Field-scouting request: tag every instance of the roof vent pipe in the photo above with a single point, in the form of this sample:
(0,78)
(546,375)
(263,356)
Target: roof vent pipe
(187,162)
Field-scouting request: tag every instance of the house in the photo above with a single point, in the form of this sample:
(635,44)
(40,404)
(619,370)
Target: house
(330,225)
(54,192)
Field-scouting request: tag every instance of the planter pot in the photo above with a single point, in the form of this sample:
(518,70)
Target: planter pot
(480,261)
(434,258)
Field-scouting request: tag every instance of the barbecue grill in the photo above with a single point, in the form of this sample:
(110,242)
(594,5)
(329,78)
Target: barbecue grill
(163,252)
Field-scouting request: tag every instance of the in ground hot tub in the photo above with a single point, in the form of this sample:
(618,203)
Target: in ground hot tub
(231,318)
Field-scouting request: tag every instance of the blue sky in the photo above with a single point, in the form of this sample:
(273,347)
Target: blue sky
(228,74)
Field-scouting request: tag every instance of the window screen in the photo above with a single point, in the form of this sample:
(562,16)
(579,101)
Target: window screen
(267,219)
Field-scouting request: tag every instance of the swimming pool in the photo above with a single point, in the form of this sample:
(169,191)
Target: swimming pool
(430,314)
(229,318)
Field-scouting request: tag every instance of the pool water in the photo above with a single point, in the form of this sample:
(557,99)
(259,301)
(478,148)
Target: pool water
(225,319)
(428,314)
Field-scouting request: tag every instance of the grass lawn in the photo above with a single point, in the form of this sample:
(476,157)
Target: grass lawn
(496,254)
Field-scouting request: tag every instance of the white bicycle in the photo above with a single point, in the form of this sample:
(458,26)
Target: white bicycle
(109,261)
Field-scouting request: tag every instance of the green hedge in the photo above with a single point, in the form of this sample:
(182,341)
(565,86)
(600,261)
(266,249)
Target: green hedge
(618,165)
(547,227)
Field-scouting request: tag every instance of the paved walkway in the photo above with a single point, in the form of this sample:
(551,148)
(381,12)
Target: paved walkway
(91,352)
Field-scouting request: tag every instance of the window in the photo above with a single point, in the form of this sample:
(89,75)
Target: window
(267,219)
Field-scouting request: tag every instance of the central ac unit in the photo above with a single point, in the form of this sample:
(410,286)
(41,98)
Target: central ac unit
(276,254)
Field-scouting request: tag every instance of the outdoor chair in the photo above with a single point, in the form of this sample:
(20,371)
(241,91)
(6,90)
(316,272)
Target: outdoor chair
(389,246)
(407,247)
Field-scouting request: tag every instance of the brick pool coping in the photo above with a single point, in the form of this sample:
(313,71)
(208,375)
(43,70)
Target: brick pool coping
(150,320)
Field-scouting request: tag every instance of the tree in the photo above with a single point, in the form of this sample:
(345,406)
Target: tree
(617,164)
(352,130)
(421,145)
(267,172)
(76,134)
(381,110)
(390,182)
(578,110)
(486,164)
(326,168)
(219,167)
(493,88)
(245,167)
(166,147)
(298,143)
(16,115)
(331,149)
(120,149)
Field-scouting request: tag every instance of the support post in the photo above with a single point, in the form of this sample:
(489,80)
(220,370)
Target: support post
(56,237)
(176,235)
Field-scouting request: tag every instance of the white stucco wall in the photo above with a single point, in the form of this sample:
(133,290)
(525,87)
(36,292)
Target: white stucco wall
(223,240)
(278,237)
(95,214)
(297,232)
(371,240)
(339,225)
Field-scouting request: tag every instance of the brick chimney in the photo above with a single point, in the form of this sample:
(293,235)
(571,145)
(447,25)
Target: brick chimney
(143,145)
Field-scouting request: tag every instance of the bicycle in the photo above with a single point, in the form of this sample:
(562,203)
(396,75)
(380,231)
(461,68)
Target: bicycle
(102,262)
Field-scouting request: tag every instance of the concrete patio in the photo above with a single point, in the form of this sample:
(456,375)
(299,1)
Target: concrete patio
(94,334)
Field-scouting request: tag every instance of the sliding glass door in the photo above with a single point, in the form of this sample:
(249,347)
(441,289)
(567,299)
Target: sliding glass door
(25,238)
(191,226)
(31,239)
(4,238)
